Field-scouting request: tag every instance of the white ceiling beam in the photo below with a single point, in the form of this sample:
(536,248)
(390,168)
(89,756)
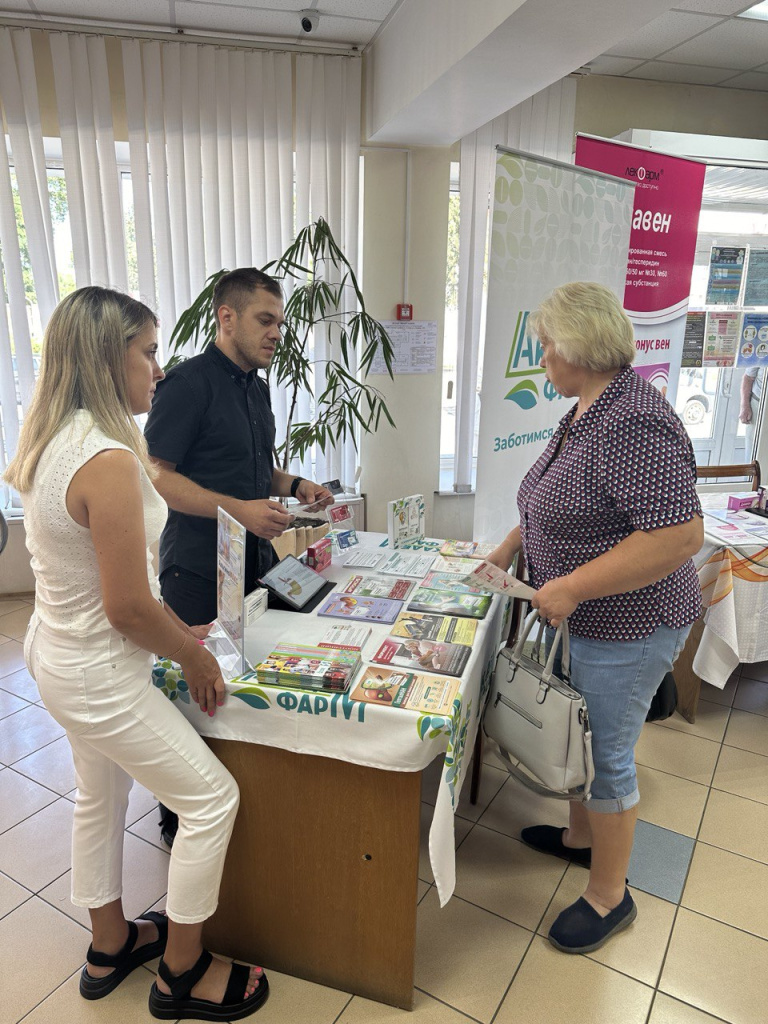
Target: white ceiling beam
(439,69)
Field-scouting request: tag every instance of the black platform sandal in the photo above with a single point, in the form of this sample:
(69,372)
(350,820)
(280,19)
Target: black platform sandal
(180,1005)
(126,960)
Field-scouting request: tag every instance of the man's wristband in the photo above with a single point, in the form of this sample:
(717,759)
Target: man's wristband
(295,485)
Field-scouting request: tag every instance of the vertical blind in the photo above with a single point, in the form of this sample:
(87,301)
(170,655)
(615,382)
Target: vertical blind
(217,137)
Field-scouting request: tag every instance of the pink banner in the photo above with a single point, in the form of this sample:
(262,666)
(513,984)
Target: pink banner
(662,247)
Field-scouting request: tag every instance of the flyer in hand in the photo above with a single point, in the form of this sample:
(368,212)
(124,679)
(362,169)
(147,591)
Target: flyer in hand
(423,655)
(420,626)
(379,586)
(447,602)
(490,577)
(309,668)
(370,609)
(406,690)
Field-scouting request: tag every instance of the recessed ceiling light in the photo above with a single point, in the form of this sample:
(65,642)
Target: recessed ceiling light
(759,11)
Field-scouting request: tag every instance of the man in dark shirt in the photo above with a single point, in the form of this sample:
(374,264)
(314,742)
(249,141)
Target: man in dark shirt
(211,434)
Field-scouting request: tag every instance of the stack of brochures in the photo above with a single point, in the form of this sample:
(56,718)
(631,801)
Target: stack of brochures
(448,602)
(423,626)
(465,549)
(379,586)
(406,690)
(423,655)
(309,668)
(370,609)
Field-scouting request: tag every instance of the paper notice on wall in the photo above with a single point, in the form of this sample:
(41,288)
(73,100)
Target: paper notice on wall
(756,286)
(415,347)
(726,266)
(693,340)
(721,339)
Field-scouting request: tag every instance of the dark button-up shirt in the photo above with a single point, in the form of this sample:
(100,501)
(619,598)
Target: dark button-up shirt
(215,422)
(626,464)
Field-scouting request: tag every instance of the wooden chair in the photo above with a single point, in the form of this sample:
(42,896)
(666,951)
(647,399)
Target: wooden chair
(745,469)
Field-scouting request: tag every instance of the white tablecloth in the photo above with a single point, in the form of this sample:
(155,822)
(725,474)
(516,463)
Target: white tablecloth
(734,590)
(335,726)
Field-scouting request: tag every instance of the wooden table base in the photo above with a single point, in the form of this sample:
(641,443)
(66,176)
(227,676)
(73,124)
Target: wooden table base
(321,875)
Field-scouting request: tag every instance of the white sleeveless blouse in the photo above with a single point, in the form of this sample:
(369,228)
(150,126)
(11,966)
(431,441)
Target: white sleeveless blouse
(68,595)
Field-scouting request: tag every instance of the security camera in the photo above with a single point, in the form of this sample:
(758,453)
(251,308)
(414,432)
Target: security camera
(309,21)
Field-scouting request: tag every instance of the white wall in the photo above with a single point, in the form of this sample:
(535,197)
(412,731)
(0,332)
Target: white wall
(16,575)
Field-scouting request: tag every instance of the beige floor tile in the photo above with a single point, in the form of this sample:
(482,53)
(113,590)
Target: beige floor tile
(757,670)
(13,624)
(729,888)
(506,877)
(145,881)
(736,824)
(752,695)
(126,1005)
(466,956)
(637,951)
(426,1010)
(717,969)
(552,988)
(38,850)
(51,766)
(25,732)
(148,828)
(491,754)
(491,781)
(671,1011)
(514,808)
(669,750)
(747,732)
(11,658)
(421,890)
(669,801)
(294,1001)
(10,704)
(742,773)
(711,720)
(12,895)
(11,604)
(19,798)
(460,829)
(41,949)
(21,684)
(718,696)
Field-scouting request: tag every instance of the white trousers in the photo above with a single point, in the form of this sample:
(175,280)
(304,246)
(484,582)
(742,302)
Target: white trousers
(122,728)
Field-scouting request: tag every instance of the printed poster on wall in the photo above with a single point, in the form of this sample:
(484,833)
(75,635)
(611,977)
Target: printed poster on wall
(726,266)
(753,341)
(756,284)
(693,340)
(662,247)
(552,223)
(721,339)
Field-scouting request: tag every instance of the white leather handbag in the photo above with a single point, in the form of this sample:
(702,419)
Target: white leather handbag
(539,720)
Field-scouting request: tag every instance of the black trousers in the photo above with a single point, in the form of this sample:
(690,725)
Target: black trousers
(192,597)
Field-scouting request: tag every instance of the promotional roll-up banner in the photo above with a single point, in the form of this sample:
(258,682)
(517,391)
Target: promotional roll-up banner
(552,223)
(662,248)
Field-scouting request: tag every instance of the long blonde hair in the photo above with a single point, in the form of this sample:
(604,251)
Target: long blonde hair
(83,367)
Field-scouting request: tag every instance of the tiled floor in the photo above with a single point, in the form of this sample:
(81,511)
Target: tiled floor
(698,952)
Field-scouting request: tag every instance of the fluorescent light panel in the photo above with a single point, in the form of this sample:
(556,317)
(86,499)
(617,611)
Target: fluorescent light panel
(759,11)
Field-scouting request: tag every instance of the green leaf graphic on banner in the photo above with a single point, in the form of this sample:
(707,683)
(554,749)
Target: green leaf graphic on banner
(523,394)
(254,696)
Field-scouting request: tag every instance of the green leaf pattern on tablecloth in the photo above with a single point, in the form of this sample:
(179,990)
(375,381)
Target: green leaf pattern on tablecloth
(168,677)
(253,696)
(457,741)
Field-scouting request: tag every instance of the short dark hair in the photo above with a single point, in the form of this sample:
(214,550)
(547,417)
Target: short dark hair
(236,288)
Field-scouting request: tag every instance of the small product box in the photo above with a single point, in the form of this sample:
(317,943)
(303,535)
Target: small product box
(319,554)
(255,605)
(742,499)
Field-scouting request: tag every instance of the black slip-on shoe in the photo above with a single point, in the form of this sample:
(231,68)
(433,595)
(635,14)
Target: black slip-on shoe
(580,929)
(549,839)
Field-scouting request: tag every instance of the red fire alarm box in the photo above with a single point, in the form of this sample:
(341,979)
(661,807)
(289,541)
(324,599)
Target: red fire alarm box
(404,311)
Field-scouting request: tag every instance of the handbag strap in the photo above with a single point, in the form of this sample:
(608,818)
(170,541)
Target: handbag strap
(561,636)
(581,793)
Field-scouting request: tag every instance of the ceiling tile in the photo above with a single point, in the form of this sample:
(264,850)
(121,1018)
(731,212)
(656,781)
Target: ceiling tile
(723,7)
(689,74)
(16,7)
(668,30)
(612,65)
(752,80)
(732,44)
(137,12)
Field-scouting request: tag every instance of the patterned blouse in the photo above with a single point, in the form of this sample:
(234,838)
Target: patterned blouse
(626,464)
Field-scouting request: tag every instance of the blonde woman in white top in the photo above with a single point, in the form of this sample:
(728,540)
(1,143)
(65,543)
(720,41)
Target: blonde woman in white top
(91,513)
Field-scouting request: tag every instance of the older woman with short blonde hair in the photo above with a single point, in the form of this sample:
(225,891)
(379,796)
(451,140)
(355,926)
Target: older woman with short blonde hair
(609,520)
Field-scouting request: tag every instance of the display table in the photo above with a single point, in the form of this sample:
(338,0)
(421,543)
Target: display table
(321,875)
(733,573)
